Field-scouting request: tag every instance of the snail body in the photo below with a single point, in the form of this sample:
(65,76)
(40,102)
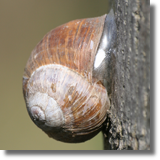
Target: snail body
(63,93)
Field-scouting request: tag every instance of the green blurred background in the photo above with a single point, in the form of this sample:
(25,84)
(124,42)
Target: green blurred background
(23,23)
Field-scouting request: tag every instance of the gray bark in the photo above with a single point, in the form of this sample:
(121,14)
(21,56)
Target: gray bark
(128,123)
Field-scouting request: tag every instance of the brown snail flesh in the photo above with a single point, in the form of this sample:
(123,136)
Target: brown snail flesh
(63,82)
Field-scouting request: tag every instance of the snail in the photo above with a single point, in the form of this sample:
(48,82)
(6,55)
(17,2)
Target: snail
(64,81)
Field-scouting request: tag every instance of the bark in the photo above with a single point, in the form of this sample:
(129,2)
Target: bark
(128,123)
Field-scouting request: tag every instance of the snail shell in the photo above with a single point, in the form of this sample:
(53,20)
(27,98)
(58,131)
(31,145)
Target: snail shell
(63,93)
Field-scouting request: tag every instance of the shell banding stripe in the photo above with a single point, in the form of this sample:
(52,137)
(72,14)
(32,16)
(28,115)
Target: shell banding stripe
(78,99)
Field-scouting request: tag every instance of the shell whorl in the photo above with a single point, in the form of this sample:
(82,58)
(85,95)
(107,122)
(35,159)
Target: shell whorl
(61,96)
(71,45)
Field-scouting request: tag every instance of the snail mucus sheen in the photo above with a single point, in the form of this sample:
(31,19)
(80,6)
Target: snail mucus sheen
(64,81)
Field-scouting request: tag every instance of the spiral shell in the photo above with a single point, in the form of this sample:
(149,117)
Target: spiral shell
(62,95)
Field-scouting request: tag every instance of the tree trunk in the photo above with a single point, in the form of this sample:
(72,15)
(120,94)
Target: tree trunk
(128,123)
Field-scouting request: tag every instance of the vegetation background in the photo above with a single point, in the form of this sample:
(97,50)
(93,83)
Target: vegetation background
(22,25)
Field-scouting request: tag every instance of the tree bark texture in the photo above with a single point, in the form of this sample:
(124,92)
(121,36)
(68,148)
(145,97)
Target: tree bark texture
(128,123)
